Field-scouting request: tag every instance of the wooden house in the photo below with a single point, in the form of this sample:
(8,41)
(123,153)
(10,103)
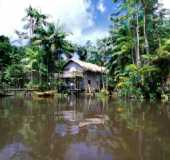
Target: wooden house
(168,82)
(83,76)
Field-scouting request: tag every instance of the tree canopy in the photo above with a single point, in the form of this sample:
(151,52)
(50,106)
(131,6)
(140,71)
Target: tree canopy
(136,52)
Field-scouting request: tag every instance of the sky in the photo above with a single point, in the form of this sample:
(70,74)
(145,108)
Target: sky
(83,19)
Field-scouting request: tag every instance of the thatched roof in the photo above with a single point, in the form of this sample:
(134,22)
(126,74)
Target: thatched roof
(88,66)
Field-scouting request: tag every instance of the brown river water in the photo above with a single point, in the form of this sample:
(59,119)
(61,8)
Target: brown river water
(83,128)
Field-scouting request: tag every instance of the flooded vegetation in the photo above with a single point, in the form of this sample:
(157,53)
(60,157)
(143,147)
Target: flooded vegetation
(83,128)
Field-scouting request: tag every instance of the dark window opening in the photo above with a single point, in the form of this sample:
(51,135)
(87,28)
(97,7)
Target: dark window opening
(89,82)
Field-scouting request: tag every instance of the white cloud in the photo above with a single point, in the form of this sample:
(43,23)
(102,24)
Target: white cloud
(166,3)
(74,14)
(101,7)
(92,36)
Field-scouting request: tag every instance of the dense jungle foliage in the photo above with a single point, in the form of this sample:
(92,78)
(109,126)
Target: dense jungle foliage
(136,52)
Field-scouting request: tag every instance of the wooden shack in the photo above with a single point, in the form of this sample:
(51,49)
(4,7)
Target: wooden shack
(83,76)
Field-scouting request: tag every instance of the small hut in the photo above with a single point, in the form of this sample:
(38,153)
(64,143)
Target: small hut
(83,76)
(168,82)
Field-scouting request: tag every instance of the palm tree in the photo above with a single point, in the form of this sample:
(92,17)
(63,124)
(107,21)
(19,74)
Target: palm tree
(34,19)
(32,61)
(52,40)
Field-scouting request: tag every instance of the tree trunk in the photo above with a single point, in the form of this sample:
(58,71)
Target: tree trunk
(138,59)
(144,27)
(31,28)
(145,34)
(159,39)
(132,55)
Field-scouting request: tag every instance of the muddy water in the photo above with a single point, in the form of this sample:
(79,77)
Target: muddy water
(83,129)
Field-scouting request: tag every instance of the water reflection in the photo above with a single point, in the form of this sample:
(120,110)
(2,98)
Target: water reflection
(83,128)
(14,151)
(86,151)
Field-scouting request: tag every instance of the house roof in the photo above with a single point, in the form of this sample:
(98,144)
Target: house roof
(88,66)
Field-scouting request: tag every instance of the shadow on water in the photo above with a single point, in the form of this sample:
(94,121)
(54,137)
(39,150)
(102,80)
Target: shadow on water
(83,128)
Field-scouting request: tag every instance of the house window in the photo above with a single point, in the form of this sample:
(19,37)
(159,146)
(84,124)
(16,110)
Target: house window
(89,82)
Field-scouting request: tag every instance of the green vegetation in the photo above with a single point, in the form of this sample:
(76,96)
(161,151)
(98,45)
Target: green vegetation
(139,57)
(136,52)
(35,63)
